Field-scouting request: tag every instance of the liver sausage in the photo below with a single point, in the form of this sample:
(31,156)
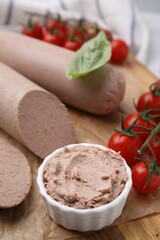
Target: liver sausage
(32,115)
(15,175)
(99,92)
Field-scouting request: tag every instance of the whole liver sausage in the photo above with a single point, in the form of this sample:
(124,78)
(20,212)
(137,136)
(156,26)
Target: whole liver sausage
(15,175)
(99,92)
(32,115)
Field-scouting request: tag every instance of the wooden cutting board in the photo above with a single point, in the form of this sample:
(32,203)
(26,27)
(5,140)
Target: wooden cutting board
(147,228)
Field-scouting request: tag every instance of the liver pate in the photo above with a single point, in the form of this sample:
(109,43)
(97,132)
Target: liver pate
(85,176)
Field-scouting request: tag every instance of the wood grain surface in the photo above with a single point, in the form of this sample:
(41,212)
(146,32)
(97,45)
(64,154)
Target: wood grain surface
(146,228)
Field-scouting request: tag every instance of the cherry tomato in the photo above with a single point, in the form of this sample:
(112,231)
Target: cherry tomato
(155,104)
(79,32)
(56,37)
(155,145)
(131,118)
(144,101)
(73,43)
(139,176)
(119,51)
(127,146)
(33,30)
(151,100)
(55,23)
(69,31)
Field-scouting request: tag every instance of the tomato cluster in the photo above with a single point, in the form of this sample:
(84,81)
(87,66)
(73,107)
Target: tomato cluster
(139,141)
(72,34)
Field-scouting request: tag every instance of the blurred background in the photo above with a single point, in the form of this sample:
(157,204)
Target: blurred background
(140,29)
(149,5)
(150,10)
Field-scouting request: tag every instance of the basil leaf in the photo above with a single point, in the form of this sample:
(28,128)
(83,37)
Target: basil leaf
(92,55)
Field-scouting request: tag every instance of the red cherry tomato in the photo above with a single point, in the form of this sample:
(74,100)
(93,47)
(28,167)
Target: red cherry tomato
(55,37)
(33,30)
(131,118)
(151,100)
(69,31)
(127,146)
(79,32)
(155,145)
(155,104)
(144,101)
(139,176)
(73,43)
(119,51)
(53,23)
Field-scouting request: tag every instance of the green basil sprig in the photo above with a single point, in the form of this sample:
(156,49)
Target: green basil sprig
(91,56)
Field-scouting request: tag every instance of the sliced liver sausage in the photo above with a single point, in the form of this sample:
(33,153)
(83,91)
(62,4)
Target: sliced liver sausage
(33,116)
(99,92)
(15,175)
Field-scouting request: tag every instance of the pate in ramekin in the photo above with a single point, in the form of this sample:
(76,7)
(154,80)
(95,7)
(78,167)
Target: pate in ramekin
(84,186)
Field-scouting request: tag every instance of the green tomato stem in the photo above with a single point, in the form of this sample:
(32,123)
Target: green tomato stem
(155,131)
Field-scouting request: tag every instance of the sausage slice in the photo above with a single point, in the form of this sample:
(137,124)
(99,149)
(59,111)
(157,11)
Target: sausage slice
(32,115)
(15,175)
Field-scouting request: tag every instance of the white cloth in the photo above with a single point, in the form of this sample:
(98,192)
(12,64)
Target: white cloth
(152,20)
(121,16)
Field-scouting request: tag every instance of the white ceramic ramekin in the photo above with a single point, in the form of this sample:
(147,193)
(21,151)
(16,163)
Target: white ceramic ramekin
(83,219)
